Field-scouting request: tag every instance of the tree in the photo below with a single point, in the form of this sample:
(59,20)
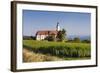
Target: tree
(76,39)
(64,34)
(86,41)
(50,38)
(33,37)
(61,35)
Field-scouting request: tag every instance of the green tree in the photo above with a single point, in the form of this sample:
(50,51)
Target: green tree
(50,38)
(61,35)
(33,37)
(86,41)
(64,34)
(76,39)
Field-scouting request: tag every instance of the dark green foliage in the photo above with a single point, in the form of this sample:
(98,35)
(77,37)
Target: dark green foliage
(33,37)
(86,41)
(50,38)
(60,49)
(29,37)
(61,35)
(76,39)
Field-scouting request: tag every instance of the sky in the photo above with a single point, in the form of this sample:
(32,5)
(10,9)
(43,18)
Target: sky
(75,23)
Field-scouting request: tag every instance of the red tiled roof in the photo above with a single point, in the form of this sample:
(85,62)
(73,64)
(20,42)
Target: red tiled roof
(46,32)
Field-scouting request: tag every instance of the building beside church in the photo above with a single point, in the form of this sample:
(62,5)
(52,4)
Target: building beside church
(42,34)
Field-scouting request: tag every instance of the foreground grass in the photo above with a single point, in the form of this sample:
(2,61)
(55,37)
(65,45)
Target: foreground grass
(29,56)
(63,50)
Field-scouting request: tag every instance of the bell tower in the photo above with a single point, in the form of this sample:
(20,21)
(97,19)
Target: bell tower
(57,27)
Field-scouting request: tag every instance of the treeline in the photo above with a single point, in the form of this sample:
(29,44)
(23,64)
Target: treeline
(50,38)
(78,40)
(29,38)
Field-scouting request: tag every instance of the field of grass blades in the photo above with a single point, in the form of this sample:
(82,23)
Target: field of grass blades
(60,49)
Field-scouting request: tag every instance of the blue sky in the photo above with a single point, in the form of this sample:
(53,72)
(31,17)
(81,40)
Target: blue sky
(74,23)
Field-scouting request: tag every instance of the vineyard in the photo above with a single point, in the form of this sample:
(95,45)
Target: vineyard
(59,49)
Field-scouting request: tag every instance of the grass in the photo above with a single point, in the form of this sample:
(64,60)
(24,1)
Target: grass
(29,56)
(64,50)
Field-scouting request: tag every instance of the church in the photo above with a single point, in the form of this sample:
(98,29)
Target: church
(41,35)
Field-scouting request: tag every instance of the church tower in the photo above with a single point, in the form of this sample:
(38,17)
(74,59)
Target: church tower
(57,27)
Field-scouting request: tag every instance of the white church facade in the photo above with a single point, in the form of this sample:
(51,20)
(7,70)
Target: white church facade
(41,35)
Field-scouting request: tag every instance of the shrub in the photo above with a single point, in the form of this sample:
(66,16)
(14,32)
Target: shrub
(86,41)
(50,38)
(76,39)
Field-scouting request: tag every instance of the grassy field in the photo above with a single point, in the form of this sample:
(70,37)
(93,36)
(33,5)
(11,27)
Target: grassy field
(29,56)
(66,51)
